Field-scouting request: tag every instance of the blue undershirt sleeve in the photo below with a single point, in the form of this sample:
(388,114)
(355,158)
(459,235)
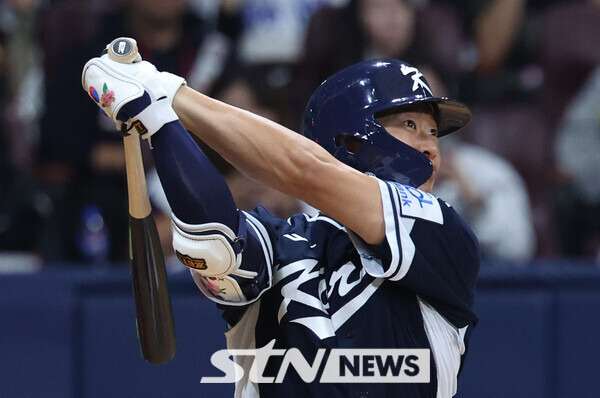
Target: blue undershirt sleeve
(195,190)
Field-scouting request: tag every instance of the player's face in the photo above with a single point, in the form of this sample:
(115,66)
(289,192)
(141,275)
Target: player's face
(419,130)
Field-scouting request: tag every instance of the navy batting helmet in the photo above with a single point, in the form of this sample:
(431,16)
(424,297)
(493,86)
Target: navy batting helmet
(345,106)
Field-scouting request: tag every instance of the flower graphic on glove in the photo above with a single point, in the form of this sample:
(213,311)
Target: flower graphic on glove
(107,98)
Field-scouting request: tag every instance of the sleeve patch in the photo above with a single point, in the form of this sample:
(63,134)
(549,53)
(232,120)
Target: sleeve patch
(419,204)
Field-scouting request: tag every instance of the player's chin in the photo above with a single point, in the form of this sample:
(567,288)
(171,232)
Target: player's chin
(427,186)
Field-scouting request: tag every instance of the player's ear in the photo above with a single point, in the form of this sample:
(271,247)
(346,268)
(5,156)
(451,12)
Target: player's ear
(351,144)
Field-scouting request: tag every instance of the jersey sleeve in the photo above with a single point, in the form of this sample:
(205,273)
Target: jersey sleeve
(428,249)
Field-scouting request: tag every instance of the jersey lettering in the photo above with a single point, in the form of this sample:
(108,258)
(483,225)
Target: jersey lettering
(291,291)
(338,284)
(342,276)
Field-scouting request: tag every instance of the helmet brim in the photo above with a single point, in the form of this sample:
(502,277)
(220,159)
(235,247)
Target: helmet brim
(451,115)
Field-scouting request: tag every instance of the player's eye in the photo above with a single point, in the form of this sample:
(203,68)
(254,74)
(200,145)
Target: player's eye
(433,132)
(410,124)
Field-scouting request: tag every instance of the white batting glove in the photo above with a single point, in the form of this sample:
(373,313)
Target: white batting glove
(130,93)
(171,83)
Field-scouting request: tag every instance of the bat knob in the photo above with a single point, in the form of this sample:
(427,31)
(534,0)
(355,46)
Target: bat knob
(123,50)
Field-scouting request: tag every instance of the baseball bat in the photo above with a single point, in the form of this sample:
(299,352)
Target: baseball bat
(154,316)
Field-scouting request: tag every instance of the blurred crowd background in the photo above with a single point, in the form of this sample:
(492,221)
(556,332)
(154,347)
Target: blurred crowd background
(524,173)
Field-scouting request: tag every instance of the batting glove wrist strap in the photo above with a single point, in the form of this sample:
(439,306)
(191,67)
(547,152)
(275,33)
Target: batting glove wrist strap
(152,118)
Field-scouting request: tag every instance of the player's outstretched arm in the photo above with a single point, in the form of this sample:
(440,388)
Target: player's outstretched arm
(286,161)
(264,150)
(209,234)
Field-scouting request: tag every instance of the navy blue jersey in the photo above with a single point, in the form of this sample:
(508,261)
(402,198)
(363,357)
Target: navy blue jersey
(329,289)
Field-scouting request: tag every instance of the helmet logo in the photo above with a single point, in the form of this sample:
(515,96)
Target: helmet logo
(416,77)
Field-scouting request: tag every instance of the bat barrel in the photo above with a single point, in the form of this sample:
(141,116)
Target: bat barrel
(155,327)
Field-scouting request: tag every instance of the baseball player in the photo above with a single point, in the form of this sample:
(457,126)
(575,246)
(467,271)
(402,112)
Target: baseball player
(384,265)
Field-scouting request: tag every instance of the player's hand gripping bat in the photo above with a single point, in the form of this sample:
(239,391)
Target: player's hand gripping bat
(154,316)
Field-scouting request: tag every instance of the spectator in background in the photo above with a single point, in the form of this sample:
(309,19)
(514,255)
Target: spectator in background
(367,29)
(488,192)
(577,193)
(274,30)
(87,167)
(500,61)
(247,91)
(23,209)
(270,44)
(503,78)
(22,93)
(491,28)
(495,27)
(492,198)
(23,204)
(570,50)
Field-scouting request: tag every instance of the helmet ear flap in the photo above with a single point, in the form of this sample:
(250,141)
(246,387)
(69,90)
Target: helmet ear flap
(351,144)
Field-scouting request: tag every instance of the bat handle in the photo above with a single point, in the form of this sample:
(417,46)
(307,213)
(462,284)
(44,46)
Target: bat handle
(139,203)
(123,50)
